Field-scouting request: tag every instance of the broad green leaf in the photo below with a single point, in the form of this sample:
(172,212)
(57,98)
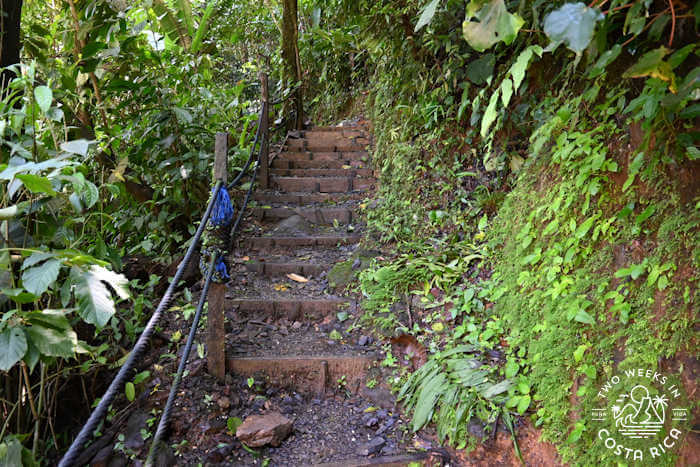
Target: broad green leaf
(53,319)
(427,16)
(427,399)
(605,59)
(497,389)
(583,317)
(37,279)
(490,114)
(652,64)
(36,258)
(94,298)
(78,146)
(92,48)
(578,353)
(36,183)
(479,70)
(90,194)
(523,404)
(573,25)
(517,70)
(10,452)
(130,391)
(51,342)
(31,358)
(512,368)
(13,346)
(583,229)
(646,214)
(493,24)
(506,91)
(183,116)
(44,97)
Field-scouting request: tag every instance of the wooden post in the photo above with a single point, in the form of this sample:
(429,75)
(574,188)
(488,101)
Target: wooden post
(216,336)
(265,142)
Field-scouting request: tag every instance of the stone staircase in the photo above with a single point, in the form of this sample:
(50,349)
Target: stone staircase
(288,331)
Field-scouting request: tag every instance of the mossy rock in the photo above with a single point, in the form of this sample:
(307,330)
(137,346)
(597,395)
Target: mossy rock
(343,274)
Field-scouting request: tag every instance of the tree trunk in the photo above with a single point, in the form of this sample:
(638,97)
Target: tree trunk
(292,68)
(9,42)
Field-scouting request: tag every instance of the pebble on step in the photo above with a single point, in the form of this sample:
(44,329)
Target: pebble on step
(371,447)
(259,430)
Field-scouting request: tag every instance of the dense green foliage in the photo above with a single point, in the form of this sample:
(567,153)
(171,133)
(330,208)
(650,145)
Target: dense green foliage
(538,163)
(566,156)
(107,140)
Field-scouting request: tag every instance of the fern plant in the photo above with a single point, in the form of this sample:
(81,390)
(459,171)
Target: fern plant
(450,389)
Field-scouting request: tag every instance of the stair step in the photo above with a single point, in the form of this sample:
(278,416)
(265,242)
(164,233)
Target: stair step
(280,269)
(279,163)
(272,197)
(263,243)
(400,460)
(306,373)
(323,216)
(322,172)
(324,145)
(334,133)
(312,184)
(291,309)
(331,155)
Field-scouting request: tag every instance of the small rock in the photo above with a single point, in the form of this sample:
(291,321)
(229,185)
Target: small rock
(363,340)
(224,403)
(219,455)
(372,447)
(259,430)
(296,325)
(372,422)
(476,428)
(356,264)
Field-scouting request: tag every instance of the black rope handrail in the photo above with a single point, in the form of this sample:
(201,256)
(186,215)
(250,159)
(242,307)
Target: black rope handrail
(115,386)
(165,416)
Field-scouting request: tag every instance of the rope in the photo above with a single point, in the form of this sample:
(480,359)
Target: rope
(117,383)
(165,417)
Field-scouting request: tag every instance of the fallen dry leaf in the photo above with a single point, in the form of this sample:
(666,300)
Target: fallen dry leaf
(409,346)
(297,278)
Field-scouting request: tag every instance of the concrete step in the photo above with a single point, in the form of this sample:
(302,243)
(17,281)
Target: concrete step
(332,155)
(323,216)
(269,243)
(279,163)
(312,184)
(324,145)
(306,373)
(322,172)
(335,132)
(275,197)
(273,268)
(292,308)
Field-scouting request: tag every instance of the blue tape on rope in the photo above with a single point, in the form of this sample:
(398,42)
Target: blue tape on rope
(222,214)
(221,268)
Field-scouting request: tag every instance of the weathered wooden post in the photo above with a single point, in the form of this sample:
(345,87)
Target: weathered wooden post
(216,336)
(265,142)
